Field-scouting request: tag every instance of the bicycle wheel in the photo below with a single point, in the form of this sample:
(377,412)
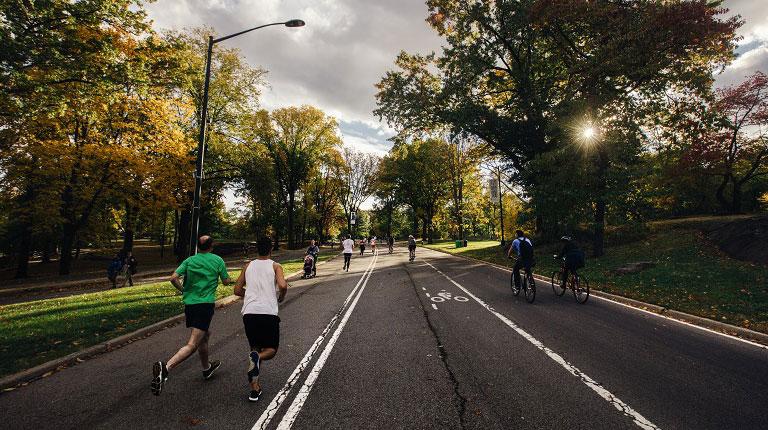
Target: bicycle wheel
(557,283)
(515,290)
(581,289)
(530,291)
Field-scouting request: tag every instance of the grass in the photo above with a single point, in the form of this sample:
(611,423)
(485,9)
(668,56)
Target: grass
(690,275)
(33,333)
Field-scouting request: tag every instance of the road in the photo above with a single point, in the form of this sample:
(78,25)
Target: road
(436,343)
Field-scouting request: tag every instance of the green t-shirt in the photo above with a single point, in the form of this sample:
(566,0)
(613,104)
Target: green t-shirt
(201,274)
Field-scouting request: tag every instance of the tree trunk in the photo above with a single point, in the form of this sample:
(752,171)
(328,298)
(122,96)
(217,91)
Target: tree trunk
(22,255)
(291,203)
(67,240)
(128,230)
(599,221)
(47,250)
(184,232)
(720,194)
(736,198)
(162,235)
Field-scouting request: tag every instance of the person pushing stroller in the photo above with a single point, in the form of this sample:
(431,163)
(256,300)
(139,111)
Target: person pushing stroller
(310,260)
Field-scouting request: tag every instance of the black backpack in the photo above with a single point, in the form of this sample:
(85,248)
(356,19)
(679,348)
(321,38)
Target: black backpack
(526,249)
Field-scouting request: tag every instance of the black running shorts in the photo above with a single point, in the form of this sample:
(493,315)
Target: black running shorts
(199,315)
(263,331)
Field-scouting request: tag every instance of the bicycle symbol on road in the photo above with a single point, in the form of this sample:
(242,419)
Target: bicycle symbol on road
(443,296)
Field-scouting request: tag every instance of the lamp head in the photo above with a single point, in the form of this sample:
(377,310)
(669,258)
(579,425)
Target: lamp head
(295,23)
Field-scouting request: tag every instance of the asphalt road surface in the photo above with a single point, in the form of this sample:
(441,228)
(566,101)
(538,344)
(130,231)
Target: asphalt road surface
(436,343)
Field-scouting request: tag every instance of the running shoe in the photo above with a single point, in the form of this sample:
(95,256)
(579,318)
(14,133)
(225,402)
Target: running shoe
(253,369)
(212,368)
(254,396)
(159,377)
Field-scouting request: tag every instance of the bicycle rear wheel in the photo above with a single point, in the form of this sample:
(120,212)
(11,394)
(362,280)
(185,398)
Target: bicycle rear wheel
(515,290)
(581,289)
(530,291)
(557,283)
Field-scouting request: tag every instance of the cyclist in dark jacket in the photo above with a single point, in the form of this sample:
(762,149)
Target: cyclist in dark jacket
(522,247)
(572,255)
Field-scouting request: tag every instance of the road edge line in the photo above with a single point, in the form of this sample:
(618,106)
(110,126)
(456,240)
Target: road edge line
(595,386)
(731,331)
(294,409)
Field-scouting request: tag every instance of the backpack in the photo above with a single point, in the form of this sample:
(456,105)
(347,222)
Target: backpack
(526,249)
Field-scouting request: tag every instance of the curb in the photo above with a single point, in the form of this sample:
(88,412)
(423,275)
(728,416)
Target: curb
(27,376)
(701,322)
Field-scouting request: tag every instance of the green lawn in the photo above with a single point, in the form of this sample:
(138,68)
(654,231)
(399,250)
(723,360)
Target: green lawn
(35,332)
(690,275)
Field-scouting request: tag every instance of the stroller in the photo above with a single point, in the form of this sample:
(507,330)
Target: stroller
(309,266)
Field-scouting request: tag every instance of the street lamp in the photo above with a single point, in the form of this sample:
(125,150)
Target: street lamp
(203,124)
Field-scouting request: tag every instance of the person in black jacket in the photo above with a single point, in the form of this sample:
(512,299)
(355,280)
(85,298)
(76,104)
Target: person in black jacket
(573,257)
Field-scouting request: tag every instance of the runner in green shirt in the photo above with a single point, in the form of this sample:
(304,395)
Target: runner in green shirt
(201,274)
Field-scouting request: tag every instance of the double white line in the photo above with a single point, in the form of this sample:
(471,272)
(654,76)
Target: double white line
(301,397)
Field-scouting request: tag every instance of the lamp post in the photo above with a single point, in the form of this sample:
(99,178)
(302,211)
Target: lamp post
(203,124)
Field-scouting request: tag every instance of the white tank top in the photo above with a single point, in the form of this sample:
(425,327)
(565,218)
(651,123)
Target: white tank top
(260,288)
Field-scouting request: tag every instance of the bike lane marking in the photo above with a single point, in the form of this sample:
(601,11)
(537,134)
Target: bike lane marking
(622,407)
(298,402)
(282,395)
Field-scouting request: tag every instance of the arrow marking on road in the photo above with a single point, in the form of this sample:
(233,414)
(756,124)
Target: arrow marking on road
(624,408)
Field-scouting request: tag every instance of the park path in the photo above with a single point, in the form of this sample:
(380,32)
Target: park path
(92,281)
(437,343)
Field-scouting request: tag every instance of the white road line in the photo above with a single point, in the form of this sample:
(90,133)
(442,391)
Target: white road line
(434,306)
(428,296)
(606,299)
(640,420)
(274,406)
(298,402)
(423,288)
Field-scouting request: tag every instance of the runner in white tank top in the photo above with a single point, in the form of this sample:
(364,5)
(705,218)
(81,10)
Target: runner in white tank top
(262,286)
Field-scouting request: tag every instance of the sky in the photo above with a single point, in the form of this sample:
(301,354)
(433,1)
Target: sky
(347,46)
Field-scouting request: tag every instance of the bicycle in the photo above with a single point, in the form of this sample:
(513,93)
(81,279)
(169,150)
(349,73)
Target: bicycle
(575,282)
(391,249)
(411,254)
(528,284)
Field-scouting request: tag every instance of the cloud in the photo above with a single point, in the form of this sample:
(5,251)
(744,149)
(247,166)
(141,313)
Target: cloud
(752,52)
(332,63)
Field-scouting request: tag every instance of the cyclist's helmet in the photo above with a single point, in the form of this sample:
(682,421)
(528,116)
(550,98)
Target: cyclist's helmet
(565,239)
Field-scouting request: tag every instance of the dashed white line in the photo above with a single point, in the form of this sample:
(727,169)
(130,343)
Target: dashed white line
(428,296)
(274,406)
(293,411)
(423,288)
(434,306)
(639,420)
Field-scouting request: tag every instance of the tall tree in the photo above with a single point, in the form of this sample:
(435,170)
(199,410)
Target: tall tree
(357,175)
(295,138)
(518,73)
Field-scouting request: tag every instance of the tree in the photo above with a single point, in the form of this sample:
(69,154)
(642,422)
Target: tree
(296,138)
(417,172)
(357,176)
(728,138)
(518,74)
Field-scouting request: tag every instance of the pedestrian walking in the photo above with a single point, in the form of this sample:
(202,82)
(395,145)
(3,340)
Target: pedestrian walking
(201,273)
(362,246)
(348,244)
(131,263)
(373,245)
(262,286)
(114,269)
